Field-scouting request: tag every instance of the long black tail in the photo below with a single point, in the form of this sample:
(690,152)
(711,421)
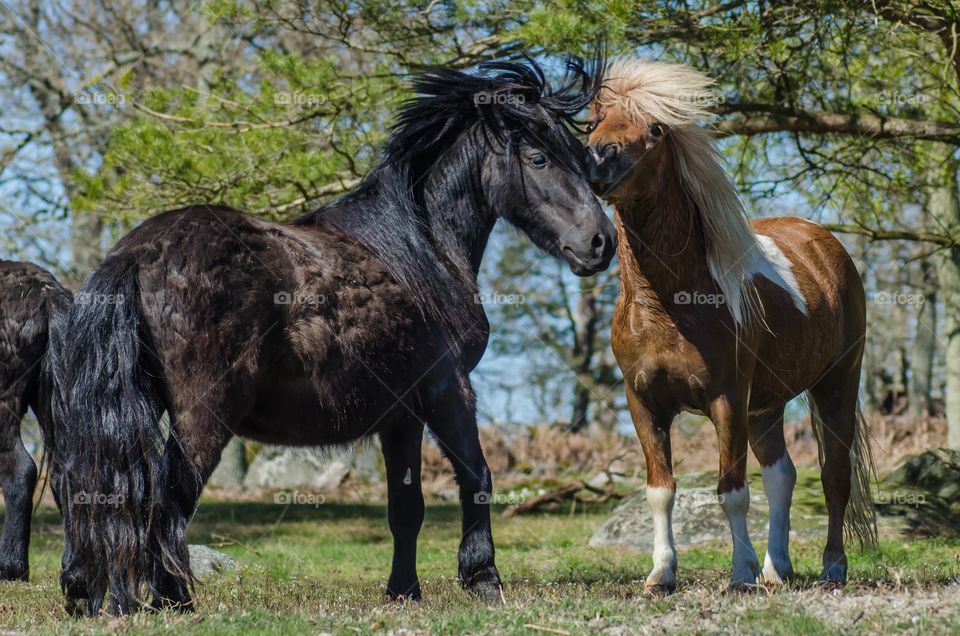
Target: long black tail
(109,443)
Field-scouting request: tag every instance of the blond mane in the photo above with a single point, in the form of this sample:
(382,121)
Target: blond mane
(679,96)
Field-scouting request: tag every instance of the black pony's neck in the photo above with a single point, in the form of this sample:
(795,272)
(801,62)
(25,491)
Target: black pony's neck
(458,216)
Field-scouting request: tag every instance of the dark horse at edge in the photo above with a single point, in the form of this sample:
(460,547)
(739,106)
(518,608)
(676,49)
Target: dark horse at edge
(359,319)
(30,298)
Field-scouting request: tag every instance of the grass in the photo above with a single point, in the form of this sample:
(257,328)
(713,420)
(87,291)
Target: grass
(322,569)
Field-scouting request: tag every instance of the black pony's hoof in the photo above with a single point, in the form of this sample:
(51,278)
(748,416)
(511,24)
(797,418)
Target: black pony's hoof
(77,607)
(403,593)
(14,573)
(184,606)
(486,585)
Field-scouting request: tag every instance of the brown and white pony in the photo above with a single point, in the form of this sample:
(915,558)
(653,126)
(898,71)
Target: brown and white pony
(728,318)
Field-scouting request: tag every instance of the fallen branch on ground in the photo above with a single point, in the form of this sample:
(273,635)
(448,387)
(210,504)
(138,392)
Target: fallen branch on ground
(565,493)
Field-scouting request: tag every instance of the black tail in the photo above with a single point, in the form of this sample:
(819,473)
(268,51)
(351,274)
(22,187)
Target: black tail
(58,301)
(109,443)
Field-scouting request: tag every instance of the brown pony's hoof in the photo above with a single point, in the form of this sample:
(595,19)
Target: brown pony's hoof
(742,587)
(830,585)
(834,575)
(660,589)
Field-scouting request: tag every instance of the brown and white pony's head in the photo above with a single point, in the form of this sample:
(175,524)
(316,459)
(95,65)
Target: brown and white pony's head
(646,110)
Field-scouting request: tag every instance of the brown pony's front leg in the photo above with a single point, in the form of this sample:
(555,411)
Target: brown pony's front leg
(729,415)
(653,429)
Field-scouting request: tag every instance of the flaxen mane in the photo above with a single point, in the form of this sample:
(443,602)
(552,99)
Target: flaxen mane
(678,96)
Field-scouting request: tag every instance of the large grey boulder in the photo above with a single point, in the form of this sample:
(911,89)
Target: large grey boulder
(697,519)
(281,467)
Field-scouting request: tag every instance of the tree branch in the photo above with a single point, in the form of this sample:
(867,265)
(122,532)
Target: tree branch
(891,235)
(759,119)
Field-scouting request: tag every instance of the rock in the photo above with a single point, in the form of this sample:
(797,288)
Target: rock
(919,496)
(279,467)
(206,561)
(232,467)
(697,519)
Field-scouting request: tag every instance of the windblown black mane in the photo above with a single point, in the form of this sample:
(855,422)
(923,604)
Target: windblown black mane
(502,104)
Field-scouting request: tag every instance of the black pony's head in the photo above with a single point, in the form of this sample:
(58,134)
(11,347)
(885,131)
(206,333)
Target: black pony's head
(515,129)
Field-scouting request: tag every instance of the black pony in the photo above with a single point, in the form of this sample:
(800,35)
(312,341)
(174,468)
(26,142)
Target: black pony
(30,298)
(355,320)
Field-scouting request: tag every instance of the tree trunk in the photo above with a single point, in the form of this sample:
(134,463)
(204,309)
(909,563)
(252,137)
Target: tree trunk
(945,211)
(586,318)
(924,344)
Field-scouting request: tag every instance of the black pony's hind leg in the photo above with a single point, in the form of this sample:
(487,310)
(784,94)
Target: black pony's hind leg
(453,421)
(401,454)
(18,477)
(191,454)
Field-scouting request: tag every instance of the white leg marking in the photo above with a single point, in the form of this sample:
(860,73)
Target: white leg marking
(746,568)
(664,572)
(778,482)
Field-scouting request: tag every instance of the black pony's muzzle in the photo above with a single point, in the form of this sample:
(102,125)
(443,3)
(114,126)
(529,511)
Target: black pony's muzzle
(591,255)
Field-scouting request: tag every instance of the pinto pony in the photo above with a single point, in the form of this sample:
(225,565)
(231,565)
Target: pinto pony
(358,319)
(30,298)
(728,318)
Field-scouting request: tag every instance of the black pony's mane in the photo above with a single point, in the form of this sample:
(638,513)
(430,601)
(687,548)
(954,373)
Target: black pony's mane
(503,103)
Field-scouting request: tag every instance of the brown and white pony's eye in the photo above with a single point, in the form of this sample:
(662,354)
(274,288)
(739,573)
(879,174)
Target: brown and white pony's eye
(657,130)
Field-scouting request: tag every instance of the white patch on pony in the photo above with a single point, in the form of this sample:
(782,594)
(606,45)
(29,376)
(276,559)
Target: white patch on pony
(774,265)
(746,567)
(408,477)
(664,571)
(778,482)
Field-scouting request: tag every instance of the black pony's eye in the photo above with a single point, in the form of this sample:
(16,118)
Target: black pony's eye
(537,160)
(657,130)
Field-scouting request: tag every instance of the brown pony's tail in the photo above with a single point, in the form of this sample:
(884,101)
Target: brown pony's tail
(860,520)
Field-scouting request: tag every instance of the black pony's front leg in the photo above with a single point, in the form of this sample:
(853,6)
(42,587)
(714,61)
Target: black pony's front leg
(18,476)
(453,421)
(401,455)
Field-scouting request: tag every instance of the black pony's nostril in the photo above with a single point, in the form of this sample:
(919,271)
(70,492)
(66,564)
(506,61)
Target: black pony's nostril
(610,151)
(598,242)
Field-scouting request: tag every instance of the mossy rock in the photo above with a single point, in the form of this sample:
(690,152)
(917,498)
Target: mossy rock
(922,492)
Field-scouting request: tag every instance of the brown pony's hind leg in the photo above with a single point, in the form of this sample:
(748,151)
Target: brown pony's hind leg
(653,429)
(729,415)
(779,479)
(834,401)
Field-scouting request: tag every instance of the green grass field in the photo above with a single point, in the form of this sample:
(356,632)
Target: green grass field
(322,569)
